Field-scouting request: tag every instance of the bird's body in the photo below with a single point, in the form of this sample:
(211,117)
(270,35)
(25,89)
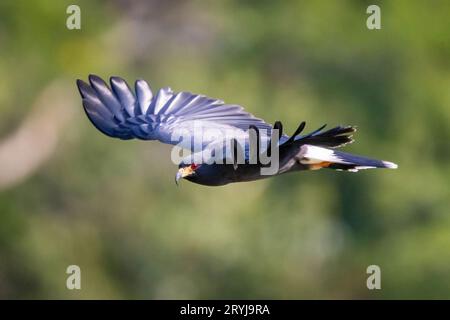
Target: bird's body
(231,144)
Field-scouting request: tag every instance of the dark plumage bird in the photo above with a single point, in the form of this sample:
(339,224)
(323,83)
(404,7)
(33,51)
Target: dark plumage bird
(168,117)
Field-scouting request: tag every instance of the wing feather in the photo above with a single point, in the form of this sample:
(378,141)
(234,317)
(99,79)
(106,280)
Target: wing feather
(119,112)
(144,95)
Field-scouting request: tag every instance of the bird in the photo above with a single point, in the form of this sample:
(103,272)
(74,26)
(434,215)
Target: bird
(119,112)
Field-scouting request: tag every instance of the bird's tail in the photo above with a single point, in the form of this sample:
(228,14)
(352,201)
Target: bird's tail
(318,157)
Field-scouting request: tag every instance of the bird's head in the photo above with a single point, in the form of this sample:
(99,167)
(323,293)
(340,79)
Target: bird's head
(205,174)
(186,171)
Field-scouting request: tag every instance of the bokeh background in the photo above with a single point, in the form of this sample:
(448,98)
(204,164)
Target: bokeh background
(70,195)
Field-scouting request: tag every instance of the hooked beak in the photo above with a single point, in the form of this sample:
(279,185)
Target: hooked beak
(178,176)
(183,172)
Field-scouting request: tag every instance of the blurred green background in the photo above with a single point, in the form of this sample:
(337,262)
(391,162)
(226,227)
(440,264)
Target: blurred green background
(70,195)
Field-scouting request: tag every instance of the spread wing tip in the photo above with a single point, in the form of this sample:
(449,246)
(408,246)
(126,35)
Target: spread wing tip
(118,111)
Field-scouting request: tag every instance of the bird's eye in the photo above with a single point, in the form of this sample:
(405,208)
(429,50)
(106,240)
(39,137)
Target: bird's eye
(194,166)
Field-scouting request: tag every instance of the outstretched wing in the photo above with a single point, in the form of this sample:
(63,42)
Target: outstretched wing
(118,112)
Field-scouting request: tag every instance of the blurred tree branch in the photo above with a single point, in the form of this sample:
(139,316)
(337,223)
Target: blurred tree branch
(27,148)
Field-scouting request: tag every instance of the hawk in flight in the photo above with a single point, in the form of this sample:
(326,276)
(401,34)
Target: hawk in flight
(168,116)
